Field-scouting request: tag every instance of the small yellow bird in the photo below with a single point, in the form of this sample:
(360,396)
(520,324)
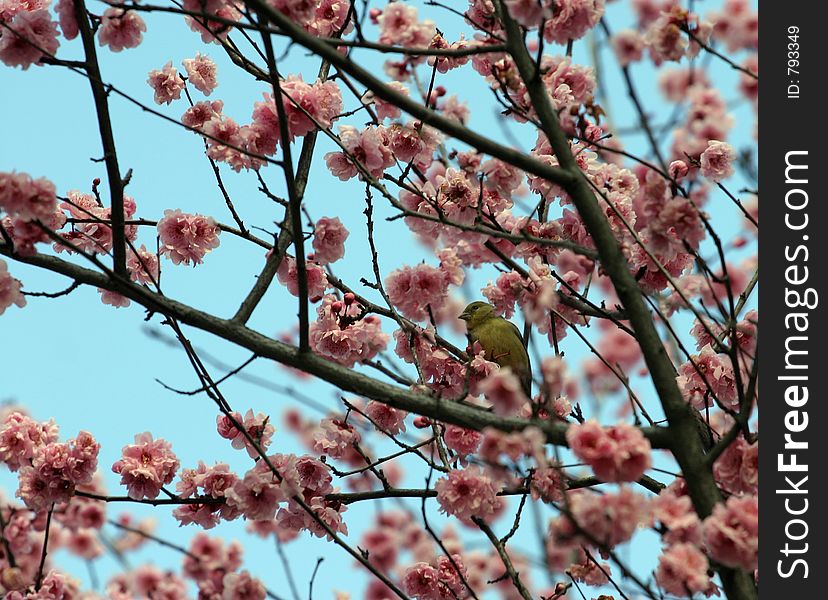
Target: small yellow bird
(500,339)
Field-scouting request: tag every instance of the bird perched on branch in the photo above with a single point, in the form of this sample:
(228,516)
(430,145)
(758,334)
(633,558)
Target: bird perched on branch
(500,339)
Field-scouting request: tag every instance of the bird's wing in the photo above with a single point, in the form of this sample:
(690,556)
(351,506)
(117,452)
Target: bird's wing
(504,345)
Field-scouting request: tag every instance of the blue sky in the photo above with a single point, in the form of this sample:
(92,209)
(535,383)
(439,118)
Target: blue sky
(94,367)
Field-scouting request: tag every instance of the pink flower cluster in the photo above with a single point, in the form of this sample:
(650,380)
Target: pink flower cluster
(416,290)
(201,72)
(683,570)
(20,436)
(708,376)
(731,533)
(315,275)
(467,493)
(208,482)
(388,419)
(609,519)
(717,160)
(504,390)
(261,493)
(305,105)
(368,148)
(93,235)
(334,438)
(166,83)
(399,24)
(120,29)
(9,289)
(329,235)
(209,563)
(617,453)
(676,513)
(443,579)
(26,198)
(737,469)
(186,238)
(572,19)
(210,30)
(461,440)
(56,470)
(146,466)
(343,334)
(30,34)
(258,428)
(736,24)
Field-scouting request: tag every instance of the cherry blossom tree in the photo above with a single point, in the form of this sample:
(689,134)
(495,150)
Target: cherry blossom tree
(610,239)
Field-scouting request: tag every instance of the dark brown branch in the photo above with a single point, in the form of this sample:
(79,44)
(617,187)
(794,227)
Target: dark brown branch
(113,173)
(346,379)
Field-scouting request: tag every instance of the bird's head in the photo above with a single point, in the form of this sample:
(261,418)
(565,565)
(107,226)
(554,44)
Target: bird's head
(476,312)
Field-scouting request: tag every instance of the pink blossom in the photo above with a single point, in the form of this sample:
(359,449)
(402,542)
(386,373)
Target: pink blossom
(529,13)
(717,161)
(211,30)
(241,586)
(329,235)
(9,289)
(25,234)
(678,169)
(29,37)
(142,265)
(56,469)
(467,493)
(85,544)
(708,374)
(572,19)
(399,24)
(20,436)
(334,438)
(415,290)
(731,533)
(442,579)
(420,581)
(628,46)
(65,10)
(343,334)
(461,440)
(121,29)
(665,39)
(315,275)
(504,390)
(737,469)
(547,484)
(201,112)
(26,198)
(94,236)
(388,419)
(322,100)
(146,466)
(166,83)
(258,428)
(609,519)
(369,148)
(114,299)
(186,237)
(677,515)
(201,71)
(682,570)
(618,453)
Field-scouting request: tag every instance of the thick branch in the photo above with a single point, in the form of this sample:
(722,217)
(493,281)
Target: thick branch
(686,446)
(113,173)
(346,379)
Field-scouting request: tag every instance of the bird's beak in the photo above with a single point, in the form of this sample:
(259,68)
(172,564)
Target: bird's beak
(465,315)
